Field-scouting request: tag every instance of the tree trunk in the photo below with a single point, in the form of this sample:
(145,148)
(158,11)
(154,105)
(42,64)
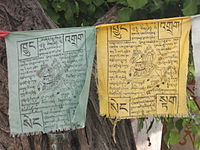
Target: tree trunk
(18,15)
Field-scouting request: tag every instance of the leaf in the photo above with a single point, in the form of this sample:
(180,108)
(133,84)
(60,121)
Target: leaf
(54,16)
(70,10)
(166,137)
(174,137)
(77,7)
(173,1)
(197,121)
(123,2)
(83,7)
(186,121)
(56,5)
(190,7)
(110,1)
(84,23)
(60,6)
(125,14)
(179,125)
(98,2)
(99,12)
(197,143)
(68,14)
(158,4)
(91,9)
(194,129)
(44,4)
(137,4)
(170,124)
(87,1)
(192,106)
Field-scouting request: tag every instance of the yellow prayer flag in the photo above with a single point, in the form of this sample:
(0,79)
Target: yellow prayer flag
(142,68)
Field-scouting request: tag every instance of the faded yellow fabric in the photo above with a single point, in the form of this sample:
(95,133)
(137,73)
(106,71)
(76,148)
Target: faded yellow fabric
(142,68)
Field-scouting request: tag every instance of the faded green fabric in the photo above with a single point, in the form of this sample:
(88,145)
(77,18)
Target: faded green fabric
(49,77)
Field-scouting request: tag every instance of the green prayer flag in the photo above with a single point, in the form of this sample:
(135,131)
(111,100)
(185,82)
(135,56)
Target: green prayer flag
(49,77)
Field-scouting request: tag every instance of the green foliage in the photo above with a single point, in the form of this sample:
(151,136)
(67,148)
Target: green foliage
(179,125)
(85,12)
(137,4)
(174,126)
(67,13)
(190,7)
(174,137)
(125,14)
